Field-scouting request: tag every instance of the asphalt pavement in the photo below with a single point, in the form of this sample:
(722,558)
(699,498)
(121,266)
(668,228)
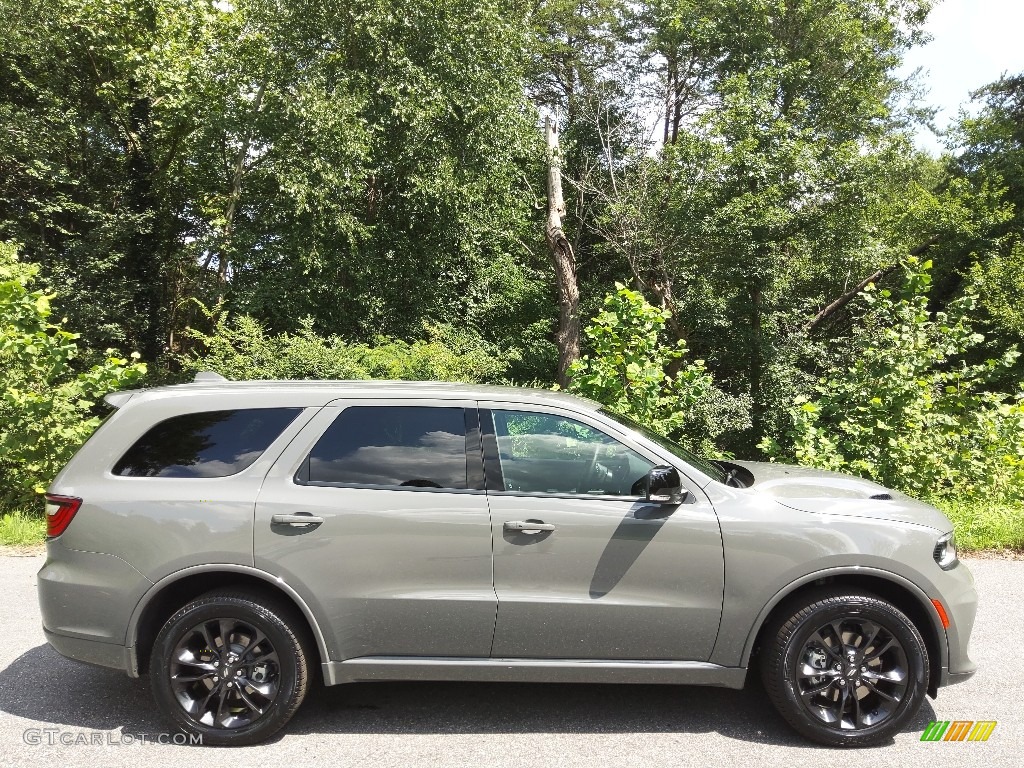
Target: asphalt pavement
(57,712)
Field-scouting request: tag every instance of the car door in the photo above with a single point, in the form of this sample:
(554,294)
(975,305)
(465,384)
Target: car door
(395,559)
(584,568)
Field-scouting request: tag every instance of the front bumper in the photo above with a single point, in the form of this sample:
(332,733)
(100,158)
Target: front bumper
(960,599)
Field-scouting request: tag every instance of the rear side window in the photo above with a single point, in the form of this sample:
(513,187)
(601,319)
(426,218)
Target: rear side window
(207,444)
(399,446)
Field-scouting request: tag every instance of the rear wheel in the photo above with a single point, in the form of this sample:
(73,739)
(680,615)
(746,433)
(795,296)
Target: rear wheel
(230,667)
(845,669)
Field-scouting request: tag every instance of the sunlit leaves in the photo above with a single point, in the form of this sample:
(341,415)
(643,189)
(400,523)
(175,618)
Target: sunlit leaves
(46,407)
(631,368)
(910,410)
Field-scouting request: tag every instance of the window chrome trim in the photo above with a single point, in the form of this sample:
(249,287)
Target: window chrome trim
(372,487)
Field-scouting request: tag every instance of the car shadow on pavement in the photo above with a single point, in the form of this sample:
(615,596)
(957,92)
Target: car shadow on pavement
(42,686)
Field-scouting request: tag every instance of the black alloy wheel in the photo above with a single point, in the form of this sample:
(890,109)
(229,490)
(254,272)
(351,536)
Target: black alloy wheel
(229,667)
(845,669)
(225,673)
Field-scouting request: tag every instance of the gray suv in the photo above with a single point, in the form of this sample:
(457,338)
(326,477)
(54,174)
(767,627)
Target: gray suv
(232,539)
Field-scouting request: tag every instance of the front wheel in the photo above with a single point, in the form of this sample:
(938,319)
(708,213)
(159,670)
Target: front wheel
(845,669)
(230,668)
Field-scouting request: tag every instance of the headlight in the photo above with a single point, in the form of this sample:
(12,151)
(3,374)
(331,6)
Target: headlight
(945,552)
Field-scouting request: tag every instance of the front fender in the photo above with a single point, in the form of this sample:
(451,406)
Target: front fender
(918,594)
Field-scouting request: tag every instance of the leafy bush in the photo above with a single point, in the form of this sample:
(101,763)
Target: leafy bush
(633,371)
(46,410)
(911,412)
(240,348)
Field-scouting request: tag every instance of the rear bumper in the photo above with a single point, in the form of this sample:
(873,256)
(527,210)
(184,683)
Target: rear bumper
(86,600)
(108,655)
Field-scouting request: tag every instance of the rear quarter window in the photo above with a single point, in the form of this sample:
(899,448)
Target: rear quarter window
(205,444)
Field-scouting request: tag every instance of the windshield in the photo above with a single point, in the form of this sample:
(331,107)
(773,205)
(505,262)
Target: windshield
(671,446)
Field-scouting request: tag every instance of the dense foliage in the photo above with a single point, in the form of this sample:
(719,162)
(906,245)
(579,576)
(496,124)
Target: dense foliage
(911,411)
(358,187)
(633,370)
(46,404)
(350,161)
(240,348)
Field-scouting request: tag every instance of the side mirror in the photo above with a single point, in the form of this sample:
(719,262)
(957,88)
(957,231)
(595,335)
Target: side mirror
(663,486)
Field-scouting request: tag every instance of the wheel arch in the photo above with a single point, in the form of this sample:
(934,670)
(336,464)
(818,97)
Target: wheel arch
(899,591)
(169,594)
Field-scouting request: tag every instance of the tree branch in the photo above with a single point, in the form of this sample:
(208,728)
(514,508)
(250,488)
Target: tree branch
(874,277)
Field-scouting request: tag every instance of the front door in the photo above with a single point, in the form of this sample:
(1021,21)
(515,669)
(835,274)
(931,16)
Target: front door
(584,568)
(396,560)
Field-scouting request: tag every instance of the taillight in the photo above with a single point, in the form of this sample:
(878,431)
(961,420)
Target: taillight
(59,512)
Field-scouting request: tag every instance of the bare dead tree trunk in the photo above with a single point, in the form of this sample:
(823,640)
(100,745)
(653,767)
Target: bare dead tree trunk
(564,261)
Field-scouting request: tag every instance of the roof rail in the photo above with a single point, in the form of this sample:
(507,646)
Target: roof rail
(207,376)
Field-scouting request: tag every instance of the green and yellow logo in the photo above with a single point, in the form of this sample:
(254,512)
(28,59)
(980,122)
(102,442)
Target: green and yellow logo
(958,730)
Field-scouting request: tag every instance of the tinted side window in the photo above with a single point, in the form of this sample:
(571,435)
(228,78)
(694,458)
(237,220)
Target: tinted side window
(207,444)
(411,446)
(545,453)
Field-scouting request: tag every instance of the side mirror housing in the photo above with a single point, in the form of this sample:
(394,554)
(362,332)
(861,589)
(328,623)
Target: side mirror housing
(663,485)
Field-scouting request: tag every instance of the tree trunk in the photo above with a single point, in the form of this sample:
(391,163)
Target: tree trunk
(223,254)
(756,361)
(143,264)
(671,73)
(564,262)
(661,286)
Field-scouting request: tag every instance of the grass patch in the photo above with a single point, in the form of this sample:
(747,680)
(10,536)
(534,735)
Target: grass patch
(18,529)
(980,525)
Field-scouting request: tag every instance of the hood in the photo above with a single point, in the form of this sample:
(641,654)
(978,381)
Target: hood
(832,493)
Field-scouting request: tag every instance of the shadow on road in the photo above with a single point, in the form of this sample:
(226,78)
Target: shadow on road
(43,686)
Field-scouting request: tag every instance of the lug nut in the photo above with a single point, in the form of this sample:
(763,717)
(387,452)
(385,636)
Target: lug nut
(238,673)
(216,679)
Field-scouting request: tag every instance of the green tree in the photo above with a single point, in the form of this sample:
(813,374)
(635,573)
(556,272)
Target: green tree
(628,370)
(990,160)
(774,182)
(911,411)
(47,409)
(240,348)
(361,163)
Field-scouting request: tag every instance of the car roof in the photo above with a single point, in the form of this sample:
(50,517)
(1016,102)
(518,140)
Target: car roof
(209,383)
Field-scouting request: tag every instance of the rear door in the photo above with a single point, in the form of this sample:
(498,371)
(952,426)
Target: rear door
(396,558)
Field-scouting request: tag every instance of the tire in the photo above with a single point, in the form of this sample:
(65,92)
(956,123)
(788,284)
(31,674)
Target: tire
(855,701)
(241,695)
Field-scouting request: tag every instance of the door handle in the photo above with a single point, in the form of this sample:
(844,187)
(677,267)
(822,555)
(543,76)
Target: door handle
(528,526)
(300,520)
